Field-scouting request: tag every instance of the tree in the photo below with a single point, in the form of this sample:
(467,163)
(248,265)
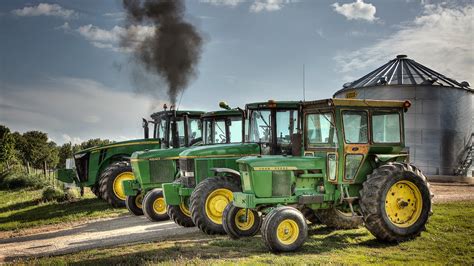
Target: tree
(65,152)
(52,158)
(37,148)
(7,146)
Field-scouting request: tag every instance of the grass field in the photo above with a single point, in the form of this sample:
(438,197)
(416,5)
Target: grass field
(449,239)
(21,208)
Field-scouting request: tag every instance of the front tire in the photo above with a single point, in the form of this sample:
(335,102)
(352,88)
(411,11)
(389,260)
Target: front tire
(235,224)
(154,206)
(396,202)
(284,230)
(135,204)
(208,201)
(110,184)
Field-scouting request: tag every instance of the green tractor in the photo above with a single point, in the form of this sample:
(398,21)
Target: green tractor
(104,168)
(210,172)
(351,165)
(155,167)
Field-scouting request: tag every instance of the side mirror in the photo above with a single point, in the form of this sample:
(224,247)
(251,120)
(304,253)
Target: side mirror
(145,128)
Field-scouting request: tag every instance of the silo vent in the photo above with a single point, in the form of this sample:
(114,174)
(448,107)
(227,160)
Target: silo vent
(401,56)
(465,84)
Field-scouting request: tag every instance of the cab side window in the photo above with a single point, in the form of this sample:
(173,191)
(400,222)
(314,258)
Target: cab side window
(355,126)
(386,127)
(320,130)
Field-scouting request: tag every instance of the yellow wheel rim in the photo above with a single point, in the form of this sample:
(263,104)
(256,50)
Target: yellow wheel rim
(216,203)
(184,209)
(118,185)
(287,231)
(159,206)
(242,223)
(403,203)
(139,200)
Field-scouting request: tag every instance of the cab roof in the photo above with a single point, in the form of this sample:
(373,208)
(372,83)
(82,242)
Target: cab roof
(222,113)
(273,104)
(358,103)
(178,113)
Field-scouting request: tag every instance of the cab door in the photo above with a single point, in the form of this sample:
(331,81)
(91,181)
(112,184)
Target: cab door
(321,139)
(356,142)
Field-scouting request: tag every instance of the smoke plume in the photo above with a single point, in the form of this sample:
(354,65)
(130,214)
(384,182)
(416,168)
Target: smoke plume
(173,51)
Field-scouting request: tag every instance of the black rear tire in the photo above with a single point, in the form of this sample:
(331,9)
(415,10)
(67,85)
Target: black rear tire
(154,207)
(95,189)
(234,224)
(310,216)
(334,218)
(107,179)
(204,195)
(391,189)
(134,204)
(285,230)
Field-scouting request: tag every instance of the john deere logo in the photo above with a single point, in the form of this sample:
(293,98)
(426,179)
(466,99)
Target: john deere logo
(351,94)
(277,168)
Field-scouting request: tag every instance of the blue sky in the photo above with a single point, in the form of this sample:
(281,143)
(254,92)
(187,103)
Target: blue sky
(63,72)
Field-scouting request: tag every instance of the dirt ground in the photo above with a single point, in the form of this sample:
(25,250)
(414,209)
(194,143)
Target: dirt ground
(74,237)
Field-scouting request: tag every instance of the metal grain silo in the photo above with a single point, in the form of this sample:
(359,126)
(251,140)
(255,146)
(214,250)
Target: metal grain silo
(438,126)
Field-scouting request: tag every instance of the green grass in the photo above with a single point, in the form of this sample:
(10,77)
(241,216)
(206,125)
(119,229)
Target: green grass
(22,208)
(449,239)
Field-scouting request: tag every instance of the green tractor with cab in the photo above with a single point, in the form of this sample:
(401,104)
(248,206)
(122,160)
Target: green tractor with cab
(209,173)
(349,166)
(104,168)
(155,167)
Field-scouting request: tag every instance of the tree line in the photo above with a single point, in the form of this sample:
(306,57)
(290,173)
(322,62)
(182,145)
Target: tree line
(33,149)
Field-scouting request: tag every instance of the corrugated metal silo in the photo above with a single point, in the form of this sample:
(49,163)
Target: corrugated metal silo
(438,126)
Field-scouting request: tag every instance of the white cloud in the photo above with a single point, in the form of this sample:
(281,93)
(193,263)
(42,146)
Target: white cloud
(44,9)
(110,39)
(441,38)
(231,3)
(72,140)
(269,5)
(356,11)
(73,109)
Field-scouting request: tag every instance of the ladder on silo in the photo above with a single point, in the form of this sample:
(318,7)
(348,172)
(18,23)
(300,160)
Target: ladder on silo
(467,162)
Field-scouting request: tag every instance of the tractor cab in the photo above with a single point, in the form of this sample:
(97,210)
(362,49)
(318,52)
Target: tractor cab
(223,126)
(273,125)
(353,135)
(175,128)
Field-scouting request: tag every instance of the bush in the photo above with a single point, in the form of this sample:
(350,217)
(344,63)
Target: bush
(53,194)
(13,179)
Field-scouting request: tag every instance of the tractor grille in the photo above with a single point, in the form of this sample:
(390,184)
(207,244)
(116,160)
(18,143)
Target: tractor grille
(186,165)
(82,167)
(162,171)
(203,166)
(281,183)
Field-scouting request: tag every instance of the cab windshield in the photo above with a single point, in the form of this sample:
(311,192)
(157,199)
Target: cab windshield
(223,130)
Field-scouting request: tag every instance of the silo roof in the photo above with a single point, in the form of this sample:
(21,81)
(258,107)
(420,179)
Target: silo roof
(404,71)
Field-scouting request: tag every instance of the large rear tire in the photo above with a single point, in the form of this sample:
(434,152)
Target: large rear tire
(334,218)
(95,189)
(135,204)
(310,216)
(396,202)
(284,230)
(154,206)
(208,201)
(110,183)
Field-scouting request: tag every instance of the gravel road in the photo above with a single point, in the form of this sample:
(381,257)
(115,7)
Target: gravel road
(131,229)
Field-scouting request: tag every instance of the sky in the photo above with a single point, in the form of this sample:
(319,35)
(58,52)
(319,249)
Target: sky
(62,70)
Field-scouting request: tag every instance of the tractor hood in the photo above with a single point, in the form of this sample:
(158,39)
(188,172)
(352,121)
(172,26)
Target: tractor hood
(221,150)
(121,144)
(158,154)
(283,163)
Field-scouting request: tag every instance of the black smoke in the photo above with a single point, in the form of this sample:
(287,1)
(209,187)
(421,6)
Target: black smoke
(173,51)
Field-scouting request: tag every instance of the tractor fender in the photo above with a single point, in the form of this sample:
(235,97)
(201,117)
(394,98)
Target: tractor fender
(385,158)
(227,171)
